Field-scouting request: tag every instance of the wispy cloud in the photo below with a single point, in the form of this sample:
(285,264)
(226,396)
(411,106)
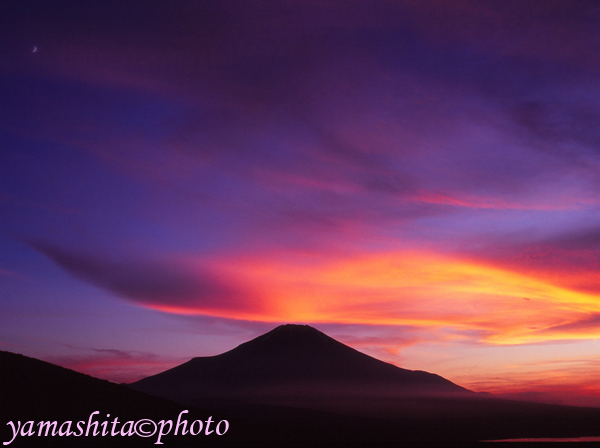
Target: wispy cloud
(119,366)
(417,289)
(165,285)
(13,274)
(568,258)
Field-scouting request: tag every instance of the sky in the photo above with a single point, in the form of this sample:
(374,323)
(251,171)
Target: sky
(417,179)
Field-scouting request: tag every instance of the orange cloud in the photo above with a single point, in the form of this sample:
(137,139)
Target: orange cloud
(416,288)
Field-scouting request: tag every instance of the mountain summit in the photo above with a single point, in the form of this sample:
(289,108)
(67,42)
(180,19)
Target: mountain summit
(290,360)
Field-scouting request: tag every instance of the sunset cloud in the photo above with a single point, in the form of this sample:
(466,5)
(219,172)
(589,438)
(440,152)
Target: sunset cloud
(404,288)
(569,258)
(164,285)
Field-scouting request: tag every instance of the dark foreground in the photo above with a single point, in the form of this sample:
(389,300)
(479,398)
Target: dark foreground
(32,390)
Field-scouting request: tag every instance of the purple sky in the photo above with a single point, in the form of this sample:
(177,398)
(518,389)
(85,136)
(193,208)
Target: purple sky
(418,179)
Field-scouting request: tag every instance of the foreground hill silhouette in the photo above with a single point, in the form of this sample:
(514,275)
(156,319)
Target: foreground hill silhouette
(34,390)
(296,383)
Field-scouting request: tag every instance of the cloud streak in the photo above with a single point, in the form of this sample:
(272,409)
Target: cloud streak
(403,288)
(162,285)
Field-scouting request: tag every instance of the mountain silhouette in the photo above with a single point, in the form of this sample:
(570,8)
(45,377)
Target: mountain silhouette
(296,383)
(290,360)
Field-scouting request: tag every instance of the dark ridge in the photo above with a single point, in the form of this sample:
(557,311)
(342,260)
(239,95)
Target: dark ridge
(34,390)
